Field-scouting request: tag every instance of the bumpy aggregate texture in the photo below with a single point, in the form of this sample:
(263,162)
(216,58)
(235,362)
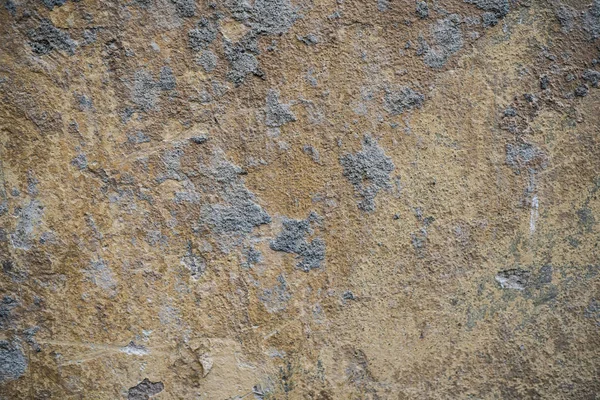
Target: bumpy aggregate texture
(294,199)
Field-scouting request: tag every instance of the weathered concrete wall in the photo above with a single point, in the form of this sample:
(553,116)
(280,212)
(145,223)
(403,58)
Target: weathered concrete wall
(302,199)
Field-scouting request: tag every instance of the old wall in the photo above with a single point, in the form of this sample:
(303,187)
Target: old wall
(299,199)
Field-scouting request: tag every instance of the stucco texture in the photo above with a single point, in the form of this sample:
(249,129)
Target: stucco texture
(299,199)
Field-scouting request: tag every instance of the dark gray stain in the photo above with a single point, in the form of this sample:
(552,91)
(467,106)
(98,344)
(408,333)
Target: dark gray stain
(90,35)
(581,91)
(194,262)
(276,298)
(252,257)
(8,303)
(146,90)
(586,219)
(517,279)
(80,162)
(397,101)
(138,137)
(591,21)
(207,60)
(271,17)
(203,35)
(144,390)
(199,139)
(348,295)
(238,213)
(489,19)
(166,79)
(85,102)
(510,112)
(29,218)
(369,172)
(523,155)
(32,183)
(592,311)
(309,40)
(499,7)
(422,9)
(263,17)
(29,335)
(276,113)
(544,82)
(383,5)
(544,276)
(447,40)
(184,8)
(312,152)
(293,239)
(565,16)
(172,163)
(50,4)
(242,60)
(593,77)
(11,7)
(13,362)
(47,38)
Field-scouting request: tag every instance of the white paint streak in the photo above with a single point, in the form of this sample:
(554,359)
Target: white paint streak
(534,214)
(510,282)
(134,349)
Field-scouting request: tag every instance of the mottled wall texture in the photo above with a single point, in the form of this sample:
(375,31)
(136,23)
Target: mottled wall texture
(299,199)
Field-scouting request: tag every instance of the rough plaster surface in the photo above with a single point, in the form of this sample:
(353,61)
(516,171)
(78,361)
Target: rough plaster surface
(294,199)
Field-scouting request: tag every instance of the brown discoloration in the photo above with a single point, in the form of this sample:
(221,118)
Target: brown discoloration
(405,304)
